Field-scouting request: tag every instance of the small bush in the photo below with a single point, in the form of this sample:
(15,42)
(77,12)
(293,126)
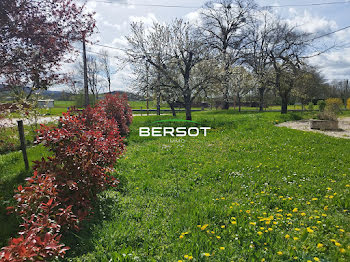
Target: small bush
(310,106)
(60,193)
(334,104)
(118,108)
(321,105)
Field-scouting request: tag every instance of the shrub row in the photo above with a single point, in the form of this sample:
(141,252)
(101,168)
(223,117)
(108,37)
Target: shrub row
(59,195)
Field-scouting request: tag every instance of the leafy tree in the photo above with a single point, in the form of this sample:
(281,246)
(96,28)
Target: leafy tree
(35,37)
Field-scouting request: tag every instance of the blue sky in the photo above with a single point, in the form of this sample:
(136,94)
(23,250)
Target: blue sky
(113,20)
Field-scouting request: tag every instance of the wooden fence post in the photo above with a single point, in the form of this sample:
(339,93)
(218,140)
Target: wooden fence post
(23,143)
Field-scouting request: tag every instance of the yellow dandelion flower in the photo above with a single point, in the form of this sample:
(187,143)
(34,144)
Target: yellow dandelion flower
(342,250)
(337,244)
(181,236)
(342,230)
(295,238)
(248,211)
(330,197)
(190,257)
(316,259)
(287,236)
(295,210)
(260,233)
(218,237)
(325,208)
(319,245)
(233,222)
(206,254)
(280,253)
(253,223)
(179,260)
(270,229)
(263,260)
(222,248)
(223,226)
(199,226)
(308,202)
(309,230)
(303,214)
(186,256)
(314,199)
(204,226)
(297,229)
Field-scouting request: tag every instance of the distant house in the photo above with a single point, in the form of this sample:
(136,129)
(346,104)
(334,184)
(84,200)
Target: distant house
(47,103)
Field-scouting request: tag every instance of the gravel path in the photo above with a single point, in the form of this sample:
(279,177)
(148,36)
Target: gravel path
(344,124)
(11,122)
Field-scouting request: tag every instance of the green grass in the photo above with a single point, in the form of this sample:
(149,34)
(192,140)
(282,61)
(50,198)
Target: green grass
(174,193)
(12,174)
(193,196)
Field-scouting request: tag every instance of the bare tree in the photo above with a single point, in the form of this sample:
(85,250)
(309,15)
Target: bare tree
(260,34)
(173,51)
(106,68)
(222,30)
(241,83)
(286,56)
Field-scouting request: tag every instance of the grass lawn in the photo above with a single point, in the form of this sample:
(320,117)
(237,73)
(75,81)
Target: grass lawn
(246,192)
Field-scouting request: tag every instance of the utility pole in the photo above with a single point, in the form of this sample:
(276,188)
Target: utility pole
(86,86)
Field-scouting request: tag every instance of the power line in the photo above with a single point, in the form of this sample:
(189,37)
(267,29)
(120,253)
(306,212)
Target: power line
(331,33)
(194,7)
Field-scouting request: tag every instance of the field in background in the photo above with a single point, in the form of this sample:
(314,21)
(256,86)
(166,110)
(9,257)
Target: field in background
(247,191)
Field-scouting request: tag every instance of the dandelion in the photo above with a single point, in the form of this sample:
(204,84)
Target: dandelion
(287,236)
(309,230)
(218,237)
(186,256)
(342,230)
(303,214)
(319,245)
(297,229)
(248,211)
(280,253)
(270,229)
(337,244)
(295,238)
(206,254)
(181,236)
(295,210)
(253,223)
(260,233)
(314,199)
(179,260)
(316,259)
(190,257)
(233,222)
(204,227)
(342,250)
(222,248)
(223,226)
(325,208)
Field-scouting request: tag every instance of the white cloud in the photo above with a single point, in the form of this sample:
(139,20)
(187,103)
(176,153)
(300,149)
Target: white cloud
(309,23)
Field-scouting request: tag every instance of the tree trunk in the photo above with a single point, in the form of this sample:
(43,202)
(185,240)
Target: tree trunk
(158,104)
(172,108)
(239,102)
(284,107)
(188,110)
(261,98)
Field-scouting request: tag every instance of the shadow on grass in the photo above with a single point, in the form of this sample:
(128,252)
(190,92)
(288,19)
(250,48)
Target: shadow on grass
(9,223)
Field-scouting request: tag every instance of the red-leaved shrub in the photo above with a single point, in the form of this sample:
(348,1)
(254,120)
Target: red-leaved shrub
(60,193)
(118,108)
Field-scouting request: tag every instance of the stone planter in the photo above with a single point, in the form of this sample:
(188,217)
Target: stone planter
(324,124)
